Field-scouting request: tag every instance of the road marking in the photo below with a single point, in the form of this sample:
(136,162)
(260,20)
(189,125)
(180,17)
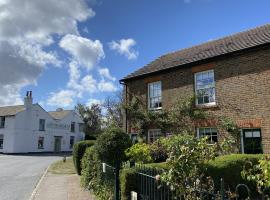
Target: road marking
(38,184)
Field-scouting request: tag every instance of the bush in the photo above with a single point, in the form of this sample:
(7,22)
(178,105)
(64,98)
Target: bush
(88,165)
(78,151)
(229,168)
(128,181)
(158,150)
(139,153)
(111,145)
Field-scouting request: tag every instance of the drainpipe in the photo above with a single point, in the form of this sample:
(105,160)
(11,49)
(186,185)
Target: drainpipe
(126,123)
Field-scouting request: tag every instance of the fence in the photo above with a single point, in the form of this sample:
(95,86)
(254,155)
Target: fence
(151,188)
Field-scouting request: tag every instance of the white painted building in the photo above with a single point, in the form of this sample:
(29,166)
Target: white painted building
(29,128)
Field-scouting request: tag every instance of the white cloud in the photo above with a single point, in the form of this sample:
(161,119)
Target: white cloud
(85,51)
(125,47)
(90,102)
(38,19)
(63,98)
(106,86)
(105,73)
(26,28)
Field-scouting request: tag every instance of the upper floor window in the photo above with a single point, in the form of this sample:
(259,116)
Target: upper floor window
(211,133)
(2,122)
(205,87)
(42,124)
(72,127)
(81,127)
(154,95)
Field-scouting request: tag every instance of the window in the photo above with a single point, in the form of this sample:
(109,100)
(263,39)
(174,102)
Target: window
(40,142)
(252,141)
(154,134)
(205,87)
(42,124)
(211,133)
(71,142)
(81,127)
(154,95)
(2,122)
(1,141)
(72,127)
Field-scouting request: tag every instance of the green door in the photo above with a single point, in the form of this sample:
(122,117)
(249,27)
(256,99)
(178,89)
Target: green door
(252,141)
(57,143)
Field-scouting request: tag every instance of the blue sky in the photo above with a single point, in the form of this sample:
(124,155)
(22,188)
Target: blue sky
(77,51)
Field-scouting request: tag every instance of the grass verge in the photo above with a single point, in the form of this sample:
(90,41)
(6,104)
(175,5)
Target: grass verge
(60,167)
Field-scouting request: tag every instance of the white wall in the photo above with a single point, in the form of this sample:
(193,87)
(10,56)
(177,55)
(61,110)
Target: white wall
(22,131)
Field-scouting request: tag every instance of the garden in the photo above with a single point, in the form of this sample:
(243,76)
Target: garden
(181,166)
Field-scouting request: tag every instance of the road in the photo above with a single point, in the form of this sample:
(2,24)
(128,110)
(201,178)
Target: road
(19,174)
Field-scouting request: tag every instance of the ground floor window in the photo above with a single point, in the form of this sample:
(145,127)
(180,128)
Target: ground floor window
(154,134)
(211,133)
(40,142)
(71,142)
(252,141)
(1,141)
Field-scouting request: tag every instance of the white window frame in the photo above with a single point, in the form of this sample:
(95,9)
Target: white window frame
(149,102)
(154,130)
(198,132)
(196,93)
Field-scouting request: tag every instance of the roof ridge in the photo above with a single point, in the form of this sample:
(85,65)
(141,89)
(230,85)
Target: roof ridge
(234,42)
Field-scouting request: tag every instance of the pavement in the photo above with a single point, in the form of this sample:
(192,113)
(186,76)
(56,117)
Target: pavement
(19,174)
(61,187)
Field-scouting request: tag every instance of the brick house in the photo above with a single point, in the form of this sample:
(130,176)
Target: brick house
(234,74)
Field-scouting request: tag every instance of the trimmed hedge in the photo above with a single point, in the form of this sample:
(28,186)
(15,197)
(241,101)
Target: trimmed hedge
(128,182)
(128,179)
(78,151)
(229,168)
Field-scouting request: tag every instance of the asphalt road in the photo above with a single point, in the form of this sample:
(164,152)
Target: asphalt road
(19,174)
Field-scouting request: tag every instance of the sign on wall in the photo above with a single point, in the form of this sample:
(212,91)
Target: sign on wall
(53,125)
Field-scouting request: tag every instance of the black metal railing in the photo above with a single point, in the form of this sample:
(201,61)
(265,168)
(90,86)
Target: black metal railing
(150,187)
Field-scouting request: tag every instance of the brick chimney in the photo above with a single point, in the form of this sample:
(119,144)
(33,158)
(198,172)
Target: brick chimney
(28,100)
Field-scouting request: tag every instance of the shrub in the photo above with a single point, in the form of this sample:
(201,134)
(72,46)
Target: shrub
(229,168)
(158,150)
(139,152)
(78,151)
(111,145)
(128,181)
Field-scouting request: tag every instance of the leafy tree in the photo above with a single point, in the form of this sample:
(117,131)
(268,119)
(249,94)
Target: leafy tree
(187,157)
(111,145)
(92,119)
(114,110)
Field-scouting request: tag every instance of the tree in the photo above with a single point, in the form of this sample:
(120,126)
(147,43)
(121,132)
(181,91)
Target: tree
(114,110)
(92,119)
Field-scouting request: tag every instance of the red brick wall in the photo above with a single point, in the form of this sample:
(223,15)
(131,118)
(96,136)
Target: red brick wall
(242,88)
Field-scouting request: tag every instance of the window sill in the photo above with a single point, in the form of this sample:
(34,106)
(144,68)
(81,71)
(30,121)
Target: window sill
(41,148)
(154,109)
(208,105)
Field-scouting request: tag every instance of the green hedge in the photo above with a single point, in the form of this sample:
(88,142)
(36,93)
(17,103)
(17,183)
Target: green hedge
(128,179)
(78,151)
(229,168)
(128,182)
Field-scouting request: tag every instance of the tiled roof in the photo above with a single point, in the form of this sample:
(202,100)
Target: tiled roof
(240,41)
(11,110)
(59,114)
